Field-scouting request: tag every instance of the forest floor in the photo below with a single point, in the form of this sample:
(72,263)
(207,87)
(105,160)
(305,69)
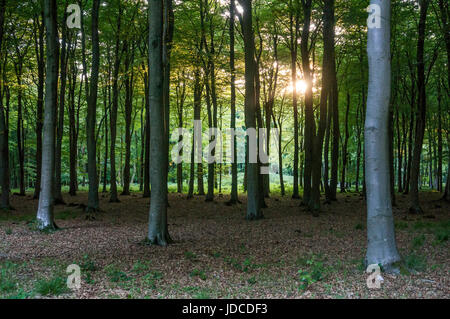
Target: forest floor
(217,254)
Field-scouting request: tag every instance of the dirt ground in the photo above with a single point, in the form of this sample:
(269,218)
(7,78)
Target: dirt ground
(217,254)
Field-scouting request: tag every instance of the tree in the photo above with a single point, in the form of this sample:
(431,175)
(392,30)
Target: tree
(93,202)
(381,243)
(46,202)
(157,229)
(4,149)
(253,201)
(234,189)
(421,112)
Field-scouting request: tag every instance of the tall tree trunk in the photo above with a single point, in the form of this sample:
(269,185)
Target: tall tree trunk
(253,201)
(309,111)
(45,216)
(128,114)
(4,149)
(40,59)
(381,243)
(421,112)
(344,147)
(113,116)
(65,46)
(294,29)
(157,229)
(93,202)
(234,175)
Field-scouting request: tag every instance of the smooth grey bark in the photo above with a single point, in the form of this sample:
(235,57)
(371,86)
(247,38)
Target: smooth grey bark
(93,202)
(157,228)
(45,218)
(381,243)
(253,201)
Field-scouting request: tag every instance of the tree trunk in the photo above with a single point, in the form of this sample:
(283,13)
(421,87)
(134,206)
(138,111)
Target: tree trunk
(65,46)
(93,202)
(421,112)
(40,59)
(381,243)
(113,116)
(4,149)
(157,229)
(253,201)
(45,216)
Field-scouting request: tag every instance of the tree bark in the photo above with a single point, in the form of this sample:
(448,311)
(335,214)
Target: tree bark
(93,202)
(381,243)
(157,229)
(421,112)
(45,217)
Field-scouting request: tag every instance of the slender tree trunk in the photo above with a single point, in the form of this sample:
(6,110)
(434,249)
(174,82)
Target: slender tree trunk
(93,202)
(40,59)
(253,201)
(113,116)
(309,112)
(381,243)
(45,216)
(157,229)
(421,112)
(65,46)
(344,147)
(128,114)
(4,149)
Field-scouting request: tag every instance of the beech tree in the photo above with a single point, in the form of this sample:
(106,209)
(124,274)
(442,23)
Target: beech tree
(45,218)
(381,244)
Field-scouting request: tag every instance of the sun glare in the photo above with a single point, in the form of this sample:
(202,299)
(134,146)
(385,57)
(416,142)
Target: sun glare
(300,87)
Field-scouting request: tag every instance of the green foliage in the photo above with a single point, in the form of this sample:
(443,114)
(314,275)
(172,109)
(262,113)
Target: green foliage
(314,272)
(87,264)
(51,287)
(190,255)
(401,225)
(115,274)
(418,241)
(141,266)
(359,226)
(151,278)
(198,273)
(415,262)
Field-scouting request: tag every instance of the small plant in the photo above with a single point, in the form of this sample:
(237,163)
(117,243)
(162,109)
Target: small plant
(116,275)
(401,225)
(8,231)
(87,264)
(414,262)
(418,241)
(140,266)
(198,273)
(190,255)
(441,235)
(314,273)
(151,278)
(202,295)
(6,283)
(252,280)
(359,226)
(53,286)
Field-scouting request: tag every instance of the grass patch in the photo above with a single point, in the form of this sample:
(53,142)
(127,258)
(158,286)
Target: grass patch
(414,262)
(418,241)
(51,287)
(198,273)
(115,274)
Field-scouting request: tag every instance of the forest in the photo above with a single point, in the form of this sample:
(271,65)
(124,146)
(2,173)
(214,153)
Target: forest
(224,149)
